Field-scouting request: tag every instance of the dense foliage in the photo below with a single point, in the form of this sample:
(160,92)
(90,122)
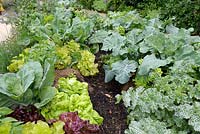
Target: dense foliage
(163,62)
(72,96)
(68,55)
(30,85)
(26,114)
(185,12)
(75,125)
(165,99)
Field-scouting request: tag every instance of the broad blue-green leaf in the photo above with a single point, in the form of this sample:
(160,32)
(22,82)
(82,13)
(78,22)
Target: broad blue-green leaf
(36,69)
(157,42)
(123,70)
(114,43)
(6,101)
(133,36)
(27,76)
(144,47)
(170,29)
(155,22)
(184,52)
(10,85)
(125,19)
(27,97)
(98,36)
(31,72)
(151,62)
(109,74)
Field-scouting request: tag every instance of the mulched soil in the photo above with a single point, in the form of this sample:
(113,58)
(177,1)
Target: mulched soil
(103,98)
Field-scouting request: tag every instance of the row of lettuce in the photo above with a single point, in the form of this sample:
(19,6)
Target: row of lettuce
(162,60)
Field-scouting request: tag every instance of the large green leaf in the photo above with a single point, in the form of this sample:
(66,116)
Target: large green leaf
(122,71)
(27,76)
(29,73)
(109,74)
(45,95)
(98,36)
(10,85)
(81,30)
(6,101)
(151,62)
(20,88)
(157,42)
(5,111)
(133,36)
(48,74)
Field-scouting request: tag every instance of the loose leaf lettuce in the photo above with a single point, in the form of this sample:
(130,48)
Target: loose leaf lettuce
(36,128)
(73,96)
(10,126)
(74,124)
(86,64)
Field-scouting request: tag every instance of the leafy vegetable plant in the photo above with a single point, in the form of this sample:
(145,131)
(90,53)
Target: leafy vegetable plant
(30,85)
(72,96)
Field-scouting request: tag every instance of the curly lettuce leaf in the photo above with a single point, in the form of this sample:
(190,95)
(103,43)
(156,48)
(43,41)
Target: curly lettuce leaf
(73,96)
(74,124)
(36,128)
(86,64)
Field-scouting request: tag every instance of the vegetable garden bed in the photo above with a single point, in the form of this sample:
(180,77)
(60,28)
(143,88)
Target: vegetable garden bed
(75,64)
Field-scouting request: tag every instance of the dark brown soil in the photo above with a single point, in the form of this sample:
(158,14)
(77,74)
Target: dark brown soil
(103,99)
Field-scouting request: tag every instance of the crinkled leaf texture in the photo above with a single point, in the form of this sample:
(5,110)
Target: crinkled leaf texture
(73,96)
(114,43)
(147,126)
(36,128)
(10,126)
(75,125)
(121,70)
